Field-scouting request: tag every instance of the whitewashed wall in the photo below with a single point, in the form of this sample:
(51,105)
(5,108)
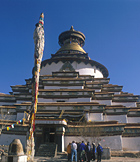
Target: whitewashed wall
(94,116)
(131,143)
(106,102)
(114,142)
(115,93)
(133,119)
(127,104)
(19,101)
(97,90)
(63,147)
(119,118)
(8,117)
(63,99)
(81,68)
(6,103)
(62,87)
(6,139)
(20,116)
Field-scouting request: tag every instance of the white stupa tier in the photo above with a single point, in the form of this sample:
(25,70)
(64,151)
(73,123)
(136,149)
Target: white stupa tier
(72,57)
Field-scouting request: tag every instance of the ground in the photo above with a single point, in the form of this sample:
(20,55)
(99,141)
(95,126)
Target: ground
(62,158)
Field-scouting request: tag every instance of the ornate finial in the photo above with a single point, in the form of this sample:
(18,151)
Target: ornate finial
(41,19)
(72,28)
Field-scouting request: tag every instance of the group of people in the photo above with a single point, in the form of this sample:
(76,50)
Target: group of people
(84,152)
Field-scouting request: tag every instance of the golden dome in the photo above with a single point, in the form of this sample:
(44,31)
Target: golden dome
(71,47)
(71,41)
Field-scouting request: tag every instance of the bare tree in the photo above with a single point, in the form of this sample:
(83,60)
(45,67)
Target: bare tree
(85,130)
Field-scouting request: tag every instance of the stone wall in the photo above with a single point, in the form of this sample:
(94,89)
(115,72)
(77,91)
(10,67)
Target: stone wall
(131,143)
(112,142)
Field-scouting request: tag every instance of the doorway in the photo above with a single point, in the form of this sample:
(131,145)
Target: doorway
(49,135)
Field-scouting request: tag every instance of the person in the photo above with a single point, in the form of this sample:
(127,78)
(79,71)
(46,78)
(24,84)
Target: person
(88,151)
(99,152)
(73,151)
(82,149)
(93,151)
(69,151)
(78,151)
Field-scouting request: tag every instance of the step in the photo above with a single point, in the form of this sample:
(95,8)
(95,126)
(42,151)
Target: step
(47,150)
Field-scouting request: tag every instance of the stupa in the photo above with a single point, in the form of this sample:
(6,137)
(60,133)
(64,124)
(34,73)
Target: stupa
(75,102)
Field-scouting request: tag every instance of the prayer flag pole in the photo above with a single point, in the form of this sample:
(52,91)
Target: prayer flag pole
(38,54)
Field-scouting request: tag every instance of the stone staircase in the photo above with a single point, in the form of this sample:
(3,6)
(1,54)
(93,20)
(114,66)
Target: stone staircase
(47,150)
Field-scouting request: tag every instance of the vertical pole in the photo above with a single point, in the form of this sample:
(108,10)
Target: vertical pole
(38,54)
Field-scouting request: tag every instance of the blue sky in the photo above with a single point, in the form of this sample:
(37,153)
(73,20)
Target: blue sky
(111,27)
